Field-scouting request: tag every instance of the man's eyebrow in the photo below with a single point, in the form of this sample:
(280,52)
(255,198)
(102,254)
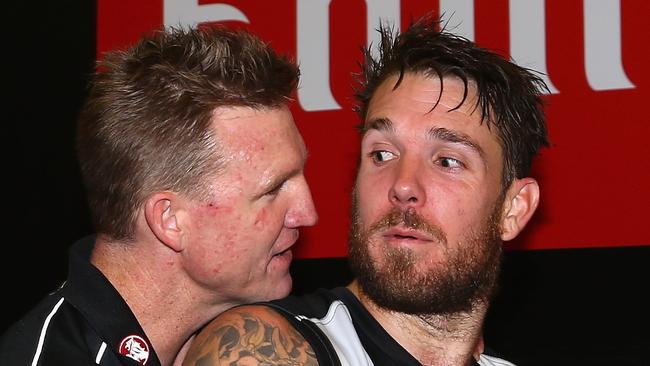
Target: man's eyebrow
(285,176)
(457,138)
(381,124)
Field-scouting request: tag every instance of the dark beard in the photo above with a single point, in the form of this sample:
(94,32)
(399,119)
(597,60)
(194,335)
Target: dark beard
(467,277)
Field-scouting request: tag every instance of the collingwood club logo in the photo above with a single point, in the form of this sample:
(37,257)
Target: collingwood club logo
(135,347)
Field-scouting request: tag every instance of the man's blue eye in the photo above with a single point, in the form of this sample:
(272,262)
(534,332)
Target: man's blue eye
(382,155)
(450,163)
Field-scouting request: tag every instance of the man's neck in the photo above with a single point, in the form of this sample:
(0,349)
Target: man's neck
(167,305)
(433,339)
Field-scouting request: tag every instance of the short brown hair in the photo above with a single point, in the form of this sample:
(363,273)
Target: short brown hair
(145,126)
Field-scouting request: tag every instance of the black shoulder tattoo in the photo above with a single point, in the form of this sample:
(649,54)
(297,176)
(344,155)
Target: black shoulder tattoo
(244,338)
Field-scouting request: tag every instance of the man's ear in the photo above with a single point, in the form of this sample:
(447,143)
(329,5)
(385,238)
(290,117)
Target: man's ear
(521,202)
(161,213)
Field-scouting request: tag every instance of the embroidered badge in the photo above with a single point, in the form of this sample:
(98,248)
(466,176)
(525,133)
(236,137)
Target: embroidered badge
(136,348)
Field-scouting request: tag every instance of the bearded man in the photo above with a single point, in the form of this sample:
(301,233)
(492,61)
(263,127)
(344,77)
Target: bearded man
(449,133)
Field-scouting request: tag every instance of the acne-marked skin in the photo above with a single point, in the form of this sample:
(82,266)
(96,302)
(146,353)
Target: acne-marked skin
(239,238)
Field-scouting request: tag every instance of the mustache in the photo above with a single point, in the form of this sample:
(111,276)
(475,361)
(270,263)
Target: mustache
(410,219)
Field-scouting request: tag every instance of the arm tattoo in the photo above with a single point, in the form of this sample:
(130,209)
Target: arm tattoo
(249,339)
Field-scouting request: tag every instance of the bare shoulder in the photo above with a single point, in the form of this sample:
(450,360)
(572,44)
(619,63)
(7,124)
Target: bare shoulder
(250,335)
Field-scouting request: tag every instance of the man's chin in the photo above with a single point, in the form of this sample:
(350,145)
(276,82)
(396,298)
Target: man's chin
(282,287)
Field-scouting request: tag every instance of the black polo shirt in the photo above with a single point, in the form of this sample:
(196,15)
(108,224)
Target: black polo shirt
(85,322)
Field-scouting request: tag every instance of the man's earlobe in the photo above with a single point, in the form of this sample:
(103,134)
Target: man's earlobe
(522,199)
(161,215)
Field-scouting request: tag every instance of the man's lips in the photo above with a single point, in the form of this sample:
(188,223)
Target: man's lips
(282,252)
(408,234)
(289,246)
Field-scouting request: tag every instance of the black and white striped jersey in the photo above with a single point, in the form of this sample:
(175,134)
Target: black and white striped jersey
(342,332)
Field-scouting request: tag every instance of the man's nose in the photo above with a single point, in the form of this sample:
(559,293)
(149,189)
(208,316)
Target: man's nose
(304,211)
(406,190)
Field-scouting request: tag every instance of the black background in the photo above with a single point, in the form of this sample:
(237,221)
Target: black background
(555,307)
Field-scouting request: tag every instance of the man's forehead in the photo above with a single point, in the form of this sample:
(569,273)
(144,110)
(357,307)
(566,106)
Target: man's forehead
(451,87)
(427,93)
(423,95)
(247,132)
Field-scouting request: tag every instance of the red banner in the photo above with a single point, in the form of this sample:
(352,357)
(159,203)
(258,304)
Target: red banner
(595,179)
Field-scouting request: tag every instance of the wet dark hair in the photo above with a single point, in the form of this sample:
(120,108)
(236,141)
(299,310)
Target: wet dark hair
(509,96)
(146,124)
